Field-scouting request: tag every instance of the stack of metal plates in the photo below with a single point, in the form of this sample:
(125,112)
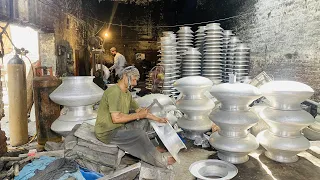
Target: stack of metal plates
(213,53)
(200,36)
(241,61)
(185,40)
(230,56)
(227,34)
(191,63)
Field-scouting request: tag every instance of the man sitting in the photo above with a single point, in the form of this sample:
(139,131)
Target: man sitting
(115,125)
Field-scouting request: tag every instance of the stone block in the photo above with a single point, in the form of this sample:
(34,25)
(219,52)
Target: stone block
(128,173)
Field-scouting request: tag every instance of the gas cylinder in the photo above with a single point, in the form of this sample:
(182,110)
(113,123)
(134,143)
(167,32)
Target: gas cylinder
(17,92)
(46,110)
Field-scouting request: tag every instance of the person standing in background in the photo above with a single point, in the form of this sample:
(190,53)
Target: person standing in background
(118,63)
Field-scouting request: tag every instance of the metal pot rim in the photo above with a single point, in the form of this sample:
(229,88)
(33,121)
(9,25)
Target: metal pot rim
(195,167)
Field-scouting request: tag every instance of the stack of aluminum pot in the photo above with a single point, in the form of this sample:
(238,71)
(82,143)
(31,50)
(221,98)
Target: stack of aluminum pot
(195,105)
(77,94)
(227,63)
(230,56)
(177,67)
(170,63)
(213,55)
(200,37)
(241,61)
(233,141)
(191,63)
(185,40)
(283,140)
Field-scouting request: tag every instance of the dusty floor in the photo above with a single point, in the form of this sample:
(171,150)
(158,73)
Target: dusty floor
(259,167)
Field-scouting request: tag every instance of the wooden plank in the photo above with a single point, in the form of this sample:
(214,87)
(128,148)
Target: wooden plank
(86,132)
(58,153)
(95,147)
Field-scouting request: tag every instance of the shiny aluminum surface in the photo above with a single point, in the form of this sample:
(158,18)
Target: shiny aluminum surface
(213,46)
(236,96)
(169,60)
(286,95)
(212,169)
(165,131)
(192,65)
(195,105)
(185,41)
(290,122)
(200,37)
(233,141)
(282,149)
(169,138)
(283,140)
(77,91)
(77,94)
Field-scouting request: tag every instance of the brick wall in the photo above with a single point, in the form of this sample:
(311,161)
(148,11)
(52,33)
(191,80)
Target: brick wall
(284,36)
(47,51)
(64,18)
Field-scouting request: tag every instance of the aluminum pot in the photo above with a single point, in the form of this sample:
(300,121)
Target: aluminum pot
(77,94)
(233,150)
(286,95)
(168,111)
(234,123)
(77,91)
(233,141)
(283,140)
(286,123)
(146,100)
(213,169)
(195,120)
(282,149)
(195,105)
(236,96)
(193,87)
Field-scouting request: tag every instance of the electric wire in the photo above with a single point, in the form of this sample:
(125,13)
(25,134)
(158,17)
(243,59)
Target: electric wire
(160,26)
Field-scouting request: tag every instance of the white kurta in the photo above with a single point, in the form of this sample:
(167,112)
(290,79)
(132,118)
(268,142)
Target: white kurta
(119,63)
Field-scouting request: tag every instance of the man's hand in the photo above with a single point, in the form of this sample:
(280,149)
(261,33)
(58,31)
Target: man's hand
(158,119)
(162,120)
(143,113)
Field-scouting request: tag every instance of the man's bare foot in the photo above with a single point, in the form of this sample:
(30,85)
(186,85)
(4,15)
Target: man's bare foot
(160,149)
(171,160)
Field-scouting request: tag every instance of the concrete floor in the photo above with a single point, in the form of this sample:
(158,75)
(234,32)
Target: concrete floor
(259,167)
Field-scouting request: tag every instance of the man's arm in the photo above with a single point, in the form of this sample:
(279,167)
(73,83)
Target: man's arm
(118,117)
(115,63)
